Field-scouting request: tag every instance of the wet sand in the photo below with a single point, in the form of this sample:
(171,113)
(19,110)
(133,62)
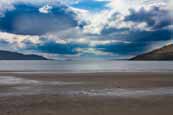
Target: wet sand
(87,94)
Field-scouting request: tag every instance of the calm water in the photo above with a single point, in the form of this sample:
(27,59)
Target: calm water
(87,66)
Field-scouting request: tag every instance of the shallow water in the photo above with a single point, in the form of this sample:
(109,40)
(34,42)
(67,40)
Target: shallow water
(129,92)
(86,66)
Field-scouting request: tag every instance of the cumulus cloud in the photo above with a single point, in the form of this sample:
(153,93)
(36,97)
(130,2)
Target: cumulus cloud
(118,10)
(123,6)
(45,9)
(13,42)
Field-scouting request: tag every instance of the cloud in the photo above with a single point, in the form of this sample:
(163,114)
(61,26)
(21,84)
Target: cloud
(131,49)
(70,46)
(145,22)
(117,10)
(27,20)
(6,5)
(155,18)
(45,9)
(123,6)
(56,48)
(93,52)
(116,28)
(170,4)
(15,42)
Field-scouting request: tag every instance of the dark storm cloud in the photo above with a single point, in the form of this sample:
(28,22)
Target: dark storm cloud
(58,48)
(26,19)
(124,48)
(150,36)
(156,17)
(139,41)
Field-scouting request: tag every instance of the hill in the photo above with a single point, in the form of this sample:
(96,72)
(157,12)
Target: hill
(7,55)
(164,53)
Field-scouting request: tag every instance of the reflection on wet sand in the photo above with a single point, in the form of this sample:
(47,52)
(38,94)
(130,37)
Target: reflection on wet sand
(22,86)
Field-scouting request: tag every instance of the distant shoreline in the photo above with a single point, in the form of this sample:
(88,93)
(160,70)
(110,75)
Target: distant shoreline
(60,73)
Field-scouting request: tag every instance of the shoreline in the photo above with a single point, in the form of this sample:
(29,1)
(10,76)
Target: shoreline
(99,72)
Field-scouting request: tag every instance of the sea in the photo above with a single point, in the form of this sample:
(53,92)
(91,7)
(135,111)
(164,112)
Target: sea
(53,66)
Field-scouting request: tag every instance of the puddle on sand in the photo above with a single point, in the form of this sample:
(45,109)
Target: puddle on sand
(125,92)
(11,80)
(21,86)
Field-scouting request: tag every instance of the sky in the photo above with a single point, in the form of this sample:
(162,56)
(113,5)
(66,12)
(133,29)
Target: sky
(85,29)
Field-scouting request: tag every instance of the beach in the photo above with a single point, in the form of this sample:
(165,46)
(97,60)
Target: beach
(127,93)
